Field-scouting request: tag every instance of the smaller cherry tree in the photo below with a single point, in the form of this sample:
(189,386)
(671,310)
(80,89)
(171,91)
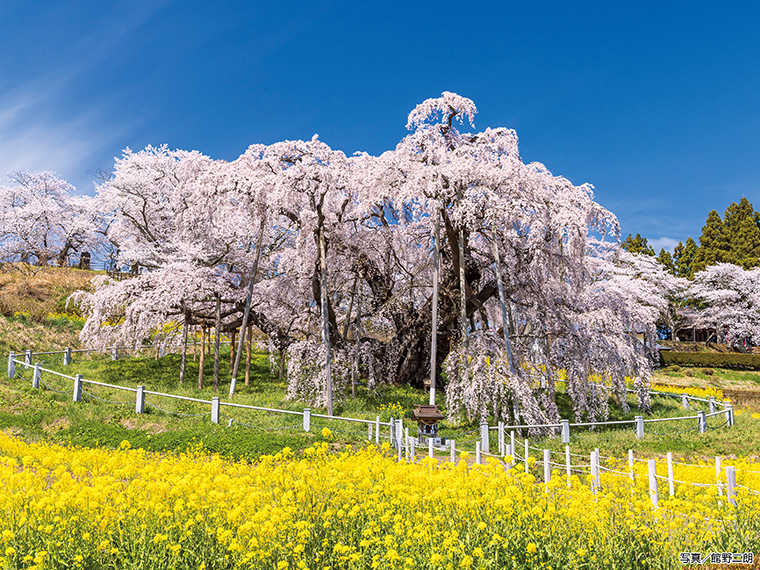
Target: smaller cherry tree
(729,298)
(42,222)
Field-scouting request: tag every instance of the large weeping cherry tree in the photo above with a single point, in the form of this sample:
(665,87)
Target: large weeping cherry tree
(339,256)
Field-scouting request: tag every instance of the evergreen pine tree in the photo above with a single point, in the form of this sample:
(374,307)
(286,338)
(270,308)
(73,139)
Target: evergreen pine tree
(683,258)
(713,243)
(742,233)
(666,260)
(637,244)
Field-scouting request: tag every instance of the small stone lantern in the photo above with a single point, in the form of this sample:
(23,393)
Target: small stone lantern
(427,422)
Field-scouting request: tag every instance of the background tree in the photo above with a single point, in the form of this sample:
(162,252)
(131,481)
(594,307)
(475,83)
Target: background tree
(683,258)
(637,244)
(42,222)
(666,260)
(714,243)
(729,299)
(741,228)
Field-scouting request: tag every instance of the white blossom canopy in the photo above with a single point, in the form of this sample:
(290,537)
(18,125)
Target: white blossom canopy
(575,302)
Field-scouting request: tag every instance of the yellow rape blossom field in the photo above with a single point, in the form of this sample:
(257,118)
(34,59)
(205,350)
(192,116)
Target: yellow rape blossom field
(64,507)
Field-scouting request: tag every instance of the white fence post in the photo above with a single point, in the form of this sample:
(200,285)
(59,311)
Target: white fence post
(730,484)
(369,432)
(399,451)
(484,437)
(115,353)
(717,476)
(140,400)
(526,456)
(412,448)
(595,469)
(67,356)
(391,428)
(701,422)
(377,430)
(653,481)
(408,443)
(36,376)
(639,427)
(11,365)
(78,388)
(501,438)
(630,463)
(307,419)
(512,446)
(712,405)
(478,446)
(565,431)
(215,410)
(671,488)
(567,464)
(453,445)
(400,433)
(685,401)
(731,414)
(509,452)
(28,356)
(430,447)
(547,466)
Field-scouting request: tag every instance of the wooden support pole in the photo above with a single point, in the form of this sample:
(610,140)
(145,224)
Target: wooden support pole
(217,340)
(202,356)
(434,320)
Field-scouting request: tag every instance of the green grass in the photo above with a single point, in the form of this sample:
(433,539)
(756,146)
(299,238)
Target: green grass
(106,416)
(174,425)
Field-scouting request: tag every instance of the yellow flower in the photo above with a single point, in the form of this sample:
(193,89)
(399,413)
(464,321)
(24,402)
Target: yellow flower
(326,433)
(532,548)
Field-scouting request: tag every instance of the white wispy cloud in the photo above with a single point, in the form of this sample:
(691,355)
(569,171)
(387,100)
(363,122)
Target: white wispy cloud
(663,243)
(40,128)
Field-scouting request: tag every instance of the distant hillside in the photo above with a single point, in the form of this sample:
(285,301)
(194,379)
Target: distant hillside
(33,307)
(39,291)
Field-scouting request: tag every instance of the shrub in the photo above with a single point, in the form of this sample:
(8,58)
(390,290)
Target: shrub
(712,359)
(708,371)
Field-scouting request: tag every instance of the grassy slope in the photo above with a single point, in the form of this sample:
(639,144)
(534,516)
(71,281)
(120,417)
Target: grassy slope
(52,416)
(38,291)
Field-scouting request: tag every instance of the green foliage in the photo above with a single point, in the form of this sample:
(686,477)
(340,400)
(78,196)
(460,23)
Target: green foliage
(637,244)
(666,260)
(711,359)
(742,231)
(714,243)
(683,258)
(733,239)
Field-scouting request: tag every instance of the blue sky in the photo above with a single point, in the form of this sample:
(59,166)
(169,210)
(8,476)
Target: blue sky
(657,104)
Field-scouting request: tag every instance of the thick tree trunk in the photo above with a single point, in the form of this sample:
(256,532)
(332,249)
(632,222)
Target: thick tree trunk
(325,322)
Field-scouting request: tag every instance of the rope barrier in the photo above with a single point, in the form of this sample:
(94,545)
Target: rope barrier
(85,393)
(674,432)
(173,413)
(615,472)
(51,388)
(237,422)
(693,465)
